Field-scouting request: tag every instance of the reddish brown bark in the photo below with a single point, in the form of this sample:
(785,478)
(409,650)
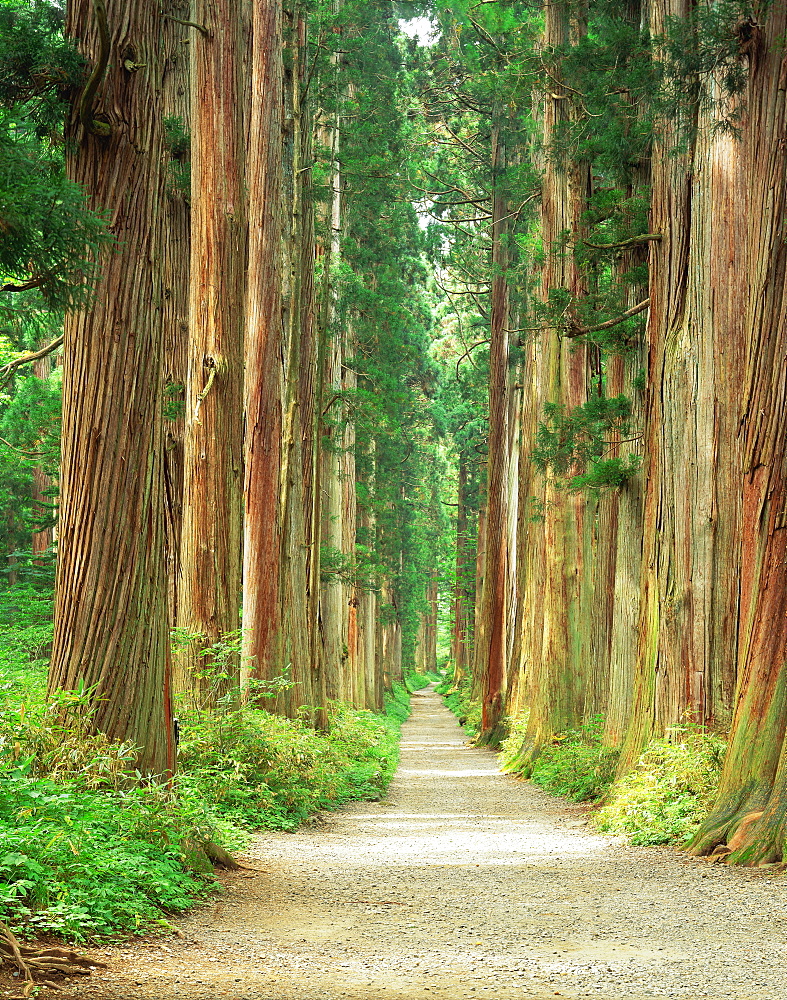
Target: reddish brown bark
(491,646)
(262,528)
(211,532)
(463,602)
(557,544)
(753,791)
(111,630)
(689,590)
(480,570)
(430,632)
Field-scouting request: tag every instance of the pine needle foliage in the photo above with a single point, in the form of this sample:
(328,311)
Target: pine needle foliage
(39,66)
(49,238)
(572,443)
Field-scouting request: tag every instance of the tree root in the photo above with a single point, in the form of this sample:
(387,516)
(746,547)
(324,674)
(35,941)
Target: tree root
(220,858)
(41,962)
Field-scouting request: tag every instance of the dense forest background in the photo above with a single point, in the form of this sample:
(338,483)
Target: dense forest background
(342,341)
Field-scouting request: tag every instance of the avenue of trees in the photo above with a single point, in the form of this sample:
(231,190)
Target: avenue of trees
(629,162)
(367,337)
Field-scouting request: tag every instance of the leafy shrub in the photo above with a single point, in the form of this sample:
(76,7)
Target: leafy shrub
(458,698)
(25,641)
(89,850)
(397,703)
(668,794)
(262,770)
(576,763)
(82,864)
(417,682)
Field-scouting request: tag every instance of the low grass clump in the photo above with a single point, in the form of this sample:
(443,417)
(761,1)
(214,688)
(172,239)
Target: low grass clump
(668,794)
(576,764)
(90,850)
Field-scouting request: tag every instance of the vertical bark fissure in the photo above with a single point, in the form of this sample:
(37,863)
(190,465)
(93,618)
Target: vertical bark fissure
(111,629)
(211,531)
(262,527)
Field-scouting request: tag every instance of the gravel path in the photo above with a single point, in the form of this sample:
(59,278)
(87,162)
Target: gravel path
(464,883)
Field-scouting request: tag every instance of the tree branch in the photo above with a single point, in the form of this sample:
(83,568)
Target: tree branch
(96,76)
(628,244)
(7,370)
(467,353)
(210,363)
(581,331)
(484,35)
(190,24)
(32,283)
(21,451)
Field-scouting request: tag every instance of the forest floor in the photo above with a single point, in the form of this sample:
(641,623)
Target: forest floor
(462,884)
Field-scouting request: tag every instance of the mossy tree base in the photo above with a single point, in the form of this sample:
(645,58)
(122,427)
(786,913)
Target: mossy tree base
(493,737)
(753,835)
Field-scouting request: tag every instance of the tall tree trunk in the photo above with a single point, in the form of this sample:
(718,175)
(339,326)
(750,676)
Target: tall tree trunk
(43,483)
(619,559)
(176,98)
(308,385)
(480,571)
(262,527)
(349,521)
(333,617)
(297,502)
(750,814)
(491,641)
(111,630)
(689,587)
(557,548)
(366,592)
(462,598)
(430,630)
(211,533)
(618,577)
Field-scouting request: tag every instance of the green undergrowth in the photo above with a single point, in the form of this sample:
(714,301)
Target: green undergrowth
(663,800)
(458,698)
(262,771)
(668,794)
(88,850)
(576,763)
(417,682)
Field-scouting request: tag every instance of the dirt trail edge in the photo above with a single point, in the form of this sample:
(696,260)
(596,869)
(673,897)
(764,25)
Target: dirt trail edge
(463,883)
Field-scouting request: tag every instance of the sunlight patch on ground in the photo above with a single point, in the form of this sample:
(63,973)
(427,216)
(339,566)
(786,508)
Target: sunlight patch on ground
(452,773)
(454,845)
